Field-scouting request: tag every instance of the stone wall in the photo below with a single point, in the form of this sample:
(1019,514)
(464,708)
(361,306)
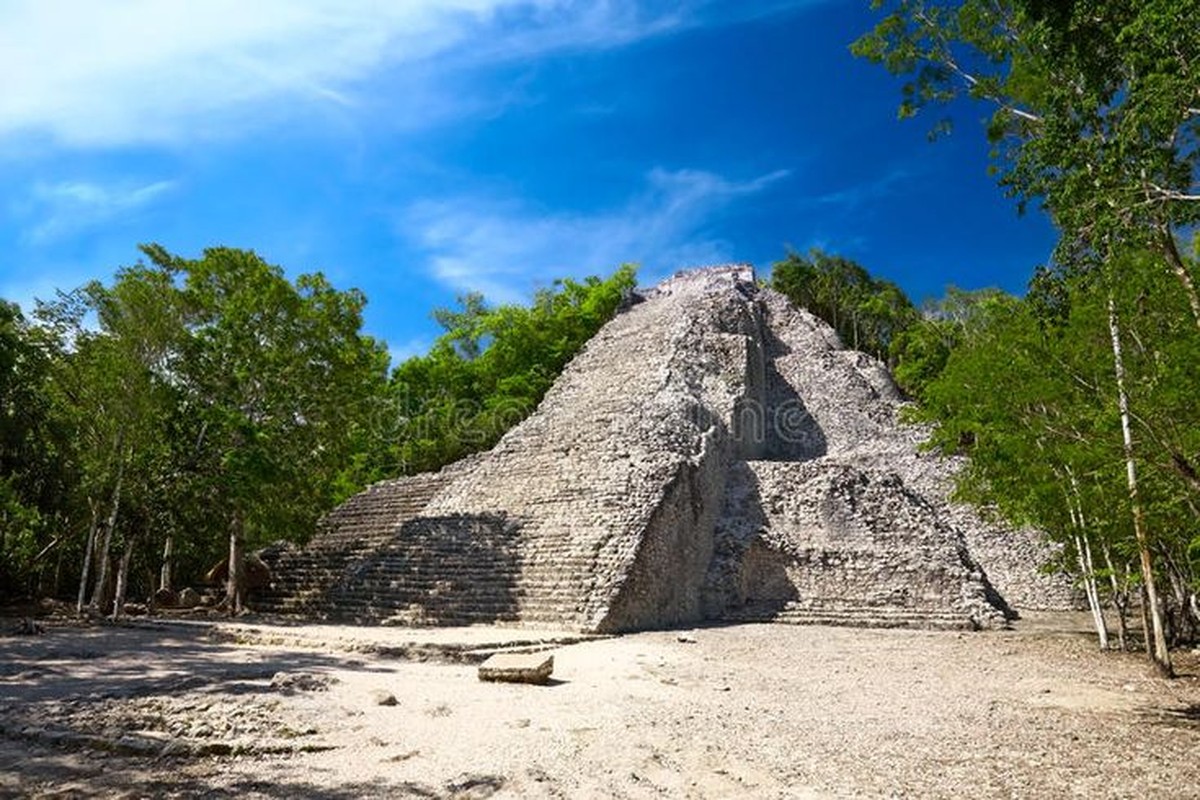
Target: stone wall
(711,453)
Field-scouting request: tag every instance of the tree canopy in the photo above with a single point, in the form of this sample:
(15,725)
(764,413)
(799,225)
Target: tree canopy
(867,312)
(1096,109)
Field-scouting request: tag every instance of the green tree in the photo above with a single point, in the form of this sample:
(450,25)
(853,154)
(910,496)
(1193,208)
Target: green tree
(920,350)
(1096,108)
(868,313)
(114,388)
(35,451)
(273,376)
(1029,396)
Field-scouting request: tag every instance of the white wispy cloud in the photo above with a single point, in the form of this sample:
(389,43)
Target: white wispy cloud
(505,247)
(850,197)
(52,210)
(135,71)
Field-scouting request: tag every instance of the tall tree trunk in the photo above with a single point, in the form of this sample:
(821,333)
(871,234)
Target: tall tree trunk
(164,575)
(118,608)
(1147,630)
(1083,552)
(1091,568)
(1161,655)
(1180,268)
(1093,595)
(1120,590)
(236,582)
(87,556)
(99,592)
(57,573)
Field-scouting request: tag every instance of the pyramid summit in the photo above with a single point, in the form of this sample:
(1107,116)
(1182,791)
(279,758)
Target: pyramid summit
(713,453)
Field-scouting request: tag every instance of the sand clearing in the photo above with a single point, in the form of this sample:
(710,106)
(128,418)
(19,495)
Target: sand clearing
(741,711)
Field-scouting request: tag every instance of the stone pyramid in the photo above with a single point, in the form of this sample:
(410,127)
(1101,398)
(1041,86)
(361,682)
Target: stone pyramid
(712,454)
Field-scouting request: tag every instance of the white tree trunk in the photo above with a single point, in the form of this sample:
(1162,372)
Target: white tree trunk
(164,575)
(87,557)
(105,558)
(1090,589)
(235,584)
(1120,592)
(1180,268)
(118,609)
(1083,557)
(1160,654)
(1101,625)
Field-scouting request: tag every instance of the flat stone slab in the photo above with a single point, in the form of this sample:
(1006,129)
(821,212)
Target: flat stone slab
(518,668)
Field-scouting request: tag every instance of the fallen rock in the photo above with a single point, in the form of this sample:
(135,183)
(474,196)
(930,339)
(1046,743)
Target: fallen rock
(166,598)
(29,627)
(518,668)
(140,743)
(188,598)
(257,574)
(382,697)
(301,682)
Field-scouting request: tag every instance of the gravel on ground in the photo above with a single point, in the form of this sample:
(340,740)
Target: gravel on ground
(735,711)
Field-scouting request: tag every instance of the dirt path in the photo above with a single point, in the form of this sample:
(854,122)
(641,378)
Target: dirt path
(753,710)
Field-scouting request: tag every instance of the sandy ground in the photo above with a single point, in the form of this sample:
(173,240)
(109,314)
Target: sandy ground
(741,711)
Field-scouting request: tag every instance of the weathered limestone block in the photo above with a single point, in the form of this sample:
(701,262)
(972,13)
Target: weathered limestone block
(517,668)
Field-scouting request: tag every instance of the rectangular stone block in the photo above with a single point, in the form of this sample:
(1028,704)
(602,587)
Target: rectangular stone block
(517,668)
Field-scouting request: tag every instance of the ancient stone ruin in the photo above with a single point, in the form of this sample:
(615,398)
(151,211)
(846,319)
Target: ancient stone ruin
(712,454)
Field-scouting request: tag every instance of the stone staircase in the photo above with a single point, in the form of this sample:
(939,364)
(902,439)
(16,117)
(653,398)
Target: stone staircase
(854,616)
(549,593)
(303,578)
(452,570)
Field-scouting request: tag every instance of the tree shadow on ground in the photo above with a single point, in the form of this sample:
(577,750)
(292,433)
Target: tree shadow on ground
(75,668)
(108,662)
(57,692)
(38,771)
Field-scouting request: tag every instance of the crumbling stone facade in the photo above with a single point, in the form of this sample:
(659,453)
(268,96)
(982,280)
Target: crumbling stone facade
(712,453)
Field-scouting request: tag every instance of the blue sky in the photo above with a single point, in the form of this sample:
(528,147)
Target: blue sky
(420,149)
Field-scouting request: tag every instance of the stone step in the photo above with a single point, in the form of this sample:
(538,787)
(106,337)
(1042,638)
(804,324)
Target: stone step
(396,599)
(858,616)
